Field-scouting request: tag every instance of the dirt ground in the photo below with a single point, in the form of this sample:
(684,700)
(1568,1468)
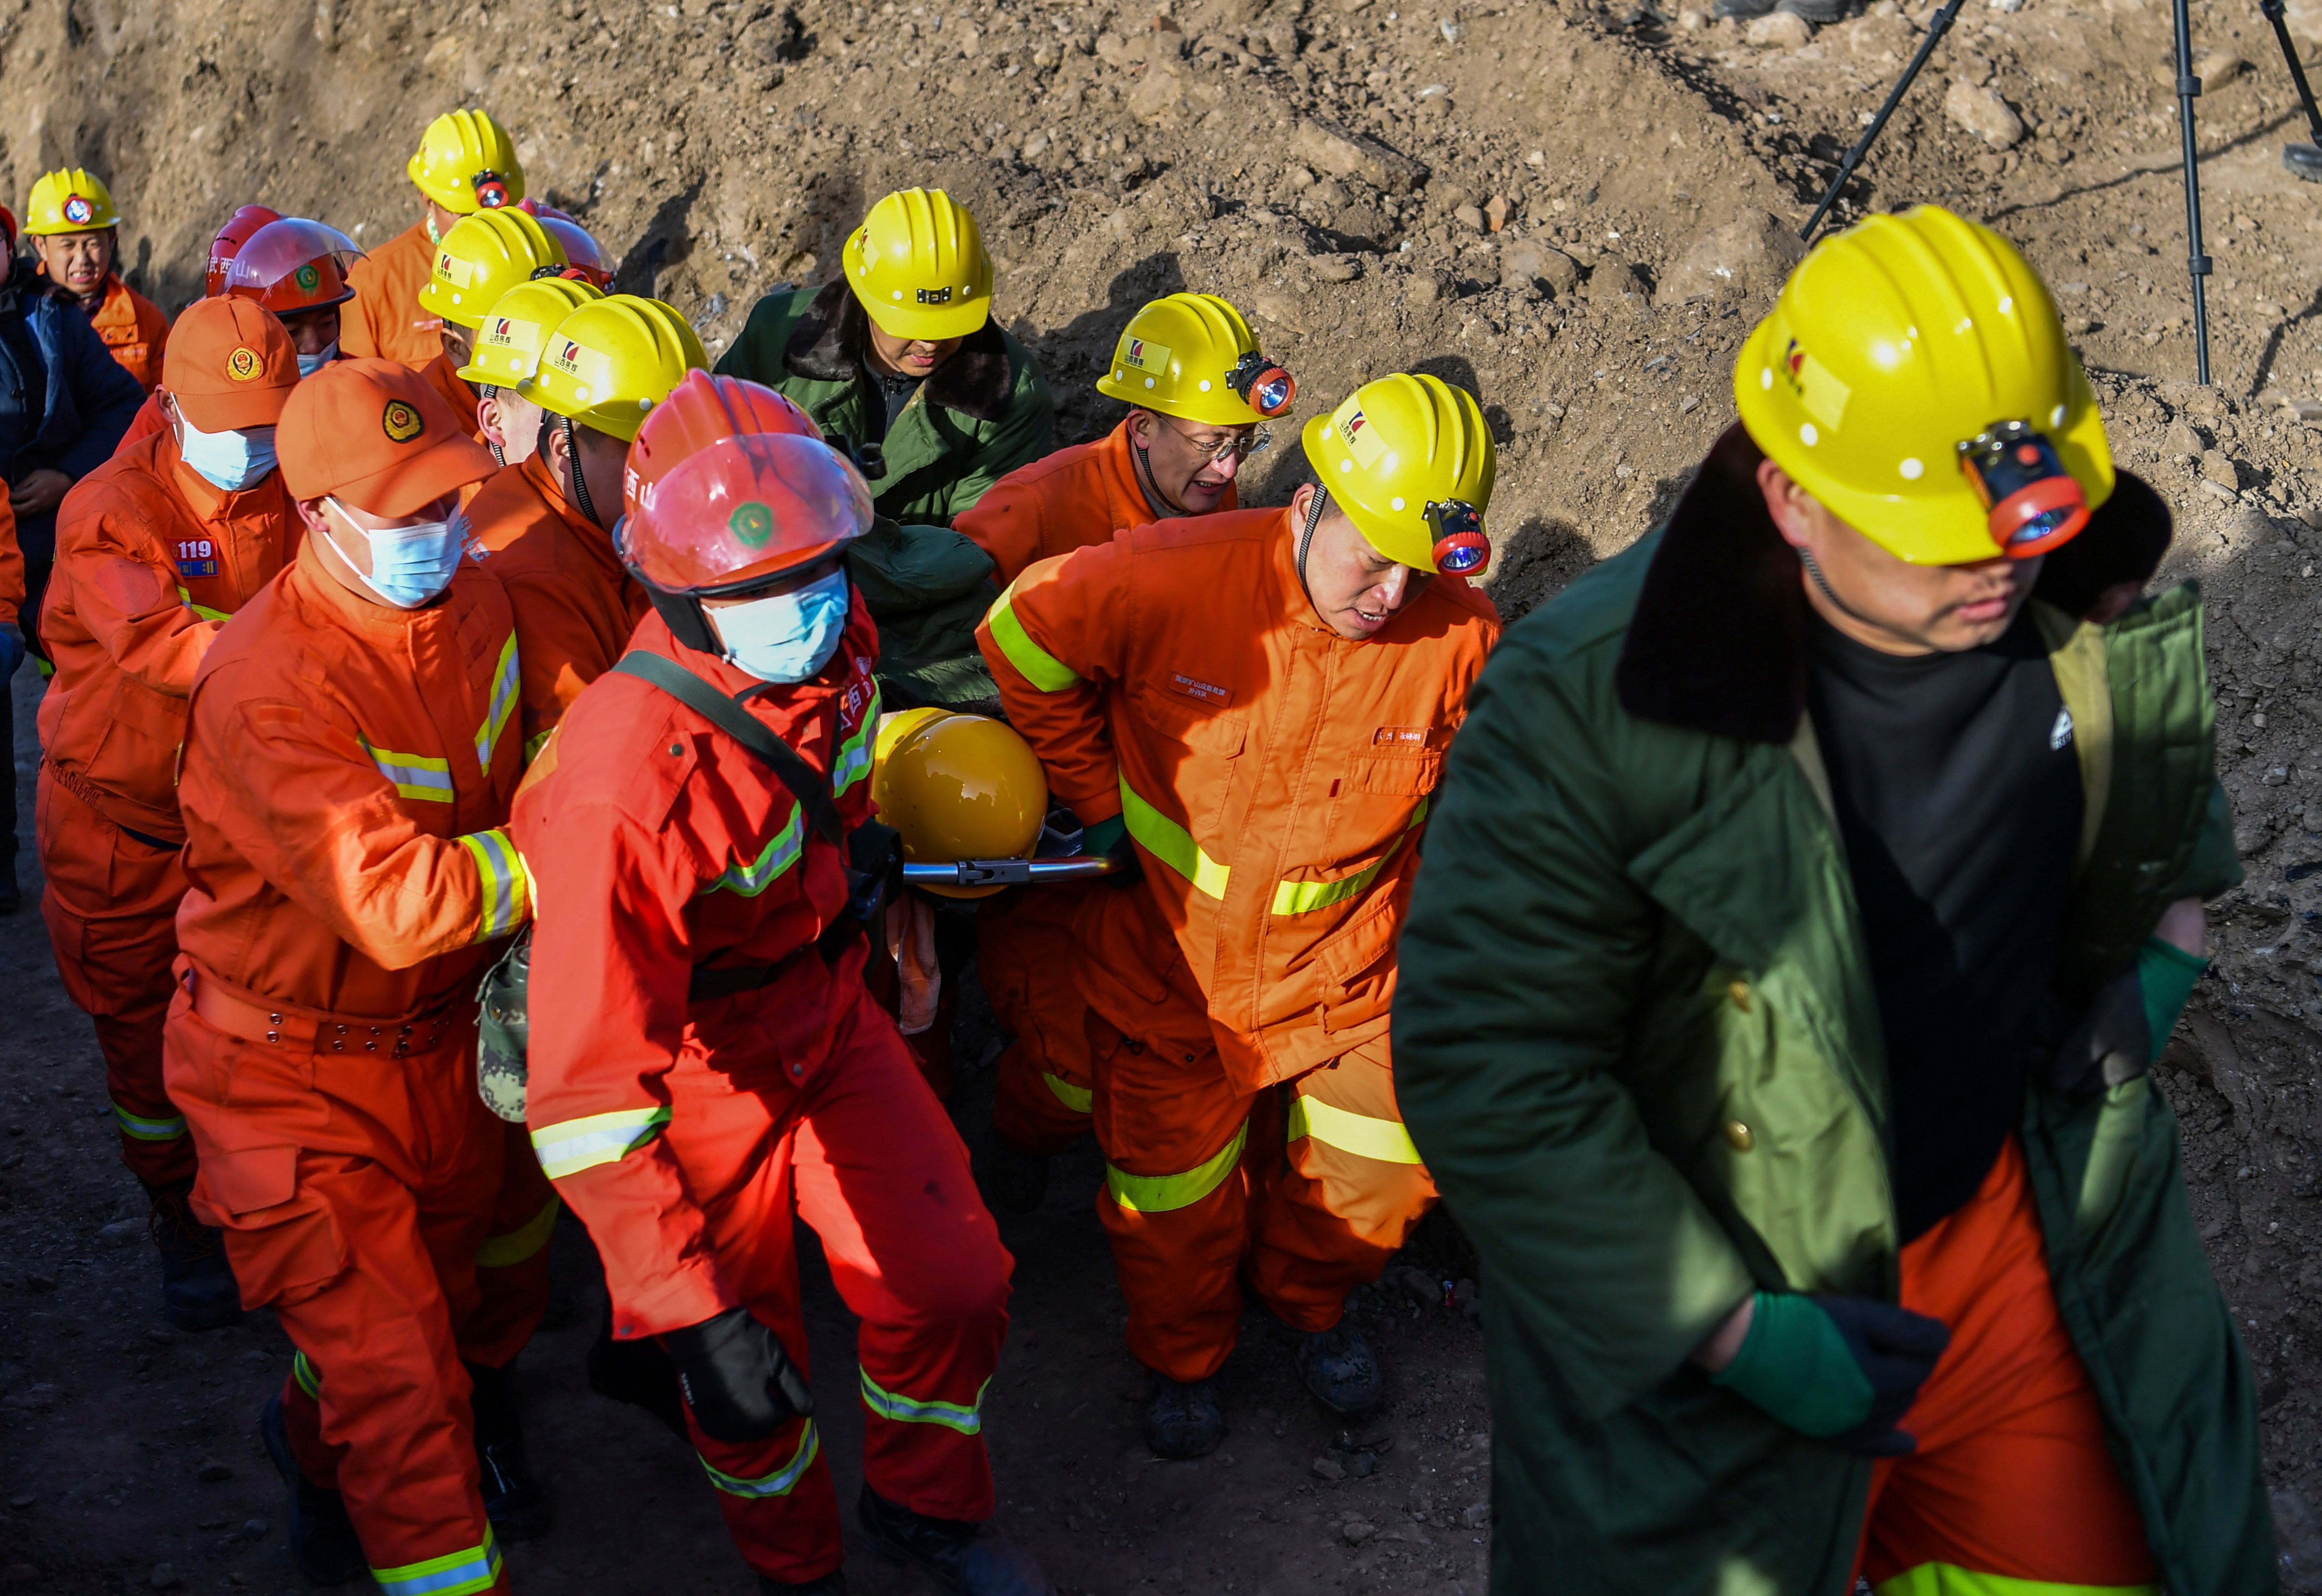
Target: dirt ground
(1577,210)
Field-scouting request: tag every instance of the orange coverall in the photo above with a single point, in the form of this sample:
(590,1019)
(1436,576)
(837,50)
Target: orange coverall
(1024,944)
(575,605)
(347,775)
(384,319)
(12,568)
(688,1132)
(1274,777)
(135,329)
(151,561)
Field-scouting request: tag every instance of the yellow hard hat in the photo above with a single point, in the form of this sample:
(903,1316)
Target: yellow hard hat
(1898,349)
(1192,355)
(512,332)
(1410,461)
(482,258)
(918,265)
(69,202)
(466,162)
(613,360)
(958,786)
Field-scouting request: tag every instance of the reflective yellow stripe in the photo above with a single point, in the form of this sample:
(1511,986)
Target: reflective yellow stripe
(903,1409)
(1078,1099)
(415,775)
(148,1130)
(1384,1140)
(303,1371)
(1042,669)
(460,1573)
(1172,844)
(1942,1579)
(499,1252)
(185,598)
(506,884)
(853,760)
(1298,897)
(1159,1194)
(778,1483)
(578,1144)
(533,745)
(505,691)
(751,879)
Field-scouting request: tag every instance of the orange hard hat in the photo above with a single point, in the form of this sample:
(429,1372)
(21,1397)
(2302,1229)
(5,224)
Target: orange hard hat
(230,365)
(376,435)
(293,265)
(229,240)
(730,485)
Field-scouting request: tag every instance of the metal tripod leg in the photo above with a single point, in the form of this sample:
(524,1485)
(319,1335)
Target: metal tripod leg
(1936,28)
(2188,88)
(2304,161)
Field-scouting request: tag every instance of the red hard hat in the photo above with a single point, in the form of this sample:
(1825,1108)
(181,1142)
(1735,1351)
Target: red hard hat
(8,227)
(293,265)
(229,240)
(729,484)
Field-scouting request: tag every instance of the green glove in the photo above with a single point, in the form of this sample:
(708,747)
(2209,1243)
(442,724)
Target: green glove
(2166,973)
(1841,1369)
(1105,835)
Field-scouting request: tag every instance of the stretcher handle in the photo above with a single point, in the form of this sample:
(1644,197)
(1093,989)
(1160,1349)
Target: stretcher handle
(1007,872)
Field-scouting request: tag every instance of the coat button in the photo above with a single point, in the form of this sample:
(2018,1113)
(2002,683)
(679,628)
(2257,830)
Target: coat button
(1738,991)
(1740,1136)
(675,749)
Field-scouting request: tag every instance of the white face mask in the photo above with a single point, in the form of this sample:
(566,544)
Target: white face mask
(790,637)
(310,364)
(410,565)
(229,461)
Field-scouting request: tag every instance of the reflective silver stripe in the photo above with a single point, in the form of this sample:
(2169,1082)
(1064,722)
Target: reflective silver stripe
(967,1420)
(303,1371)
(506,887)
(460,1573)
(577,1145)
(415,775)
(750,880)
(779,1482)
(506,687)
(148,1130)
(853,760)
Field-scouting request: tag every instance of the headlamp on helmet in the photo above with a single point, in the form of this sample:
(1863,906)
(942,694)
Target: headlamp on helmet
(1263,385)
(2034,504)
(491,191)
(1461,549)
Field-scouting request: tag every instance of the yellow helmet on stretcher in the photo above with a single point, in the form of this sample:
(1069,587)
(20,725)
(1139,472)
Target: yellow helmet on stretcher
(957,787)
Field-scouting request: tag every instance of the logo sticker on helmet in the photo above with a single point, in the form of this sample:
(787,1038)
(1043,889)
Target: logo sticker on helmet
(77,210)
(751,524)
(1817,388)
(307,277)
(401,421)
(1145,356)
(1362,442)
(244,363)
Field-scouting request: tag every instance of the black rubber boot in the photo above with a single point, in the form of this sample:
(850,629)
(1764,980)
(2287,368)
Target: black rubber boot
(1016,1181)
(1338,1367)
(322,1541)
(965,1559)
(830,1584)
(197,1286)
(1184,1420)
(518,1505)
(638,1372)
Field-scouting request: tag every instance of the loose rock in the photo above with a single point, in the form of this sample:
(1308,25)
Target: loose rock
(1330,1468)
(1981,111)
(1779,29)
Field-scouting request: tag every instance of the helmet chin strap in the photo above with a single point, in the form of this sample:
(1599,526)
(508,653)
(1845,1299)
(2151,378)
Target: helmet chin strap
(1314,510)
(1147,485)
(572,466)
(492,391)
(1814,571)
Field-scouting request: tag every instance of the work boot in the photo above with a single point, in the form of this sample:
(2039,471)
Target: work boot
(833,1584)
(2303,160)
(322,1541)
(965,1559)
(1338,1367)
(1017,1180)
(518,1505)
(638,1372)
(1184,1419)
(197,1285)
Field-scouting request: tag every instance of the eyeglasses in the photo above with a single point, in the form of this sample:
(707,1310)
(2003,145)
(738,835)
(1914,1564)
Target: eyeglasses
(1238,446)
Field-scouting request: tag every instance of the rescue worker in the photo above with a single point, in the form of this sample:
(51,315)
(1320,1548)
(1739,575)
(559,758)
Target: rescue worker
(64,405)
(1254,705)
(1806,905)
(1200,393)
(350,754)
(155,550)
(479,260)
(239,228)
(300,270)
(904,333)
(705,1060)
(465,163)
(76,238)
(610,362)
(507,350)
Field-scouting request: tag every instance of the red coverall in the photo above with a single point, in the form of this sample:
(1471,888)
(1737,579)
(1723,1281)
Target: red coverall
(385,319)
(1024,944)
(1273,776)
(135,329)
(151,561)
(348,770)
(688,1134)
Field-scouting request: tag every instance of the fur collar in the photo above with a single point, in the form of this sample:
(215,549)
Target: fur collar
(1717,643)
(827,345)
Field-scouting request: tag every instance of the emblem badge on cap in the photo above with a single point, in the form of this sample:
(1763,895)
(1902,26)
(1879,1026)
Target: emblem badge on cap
(401,421)
(78,210)
(245,364)
(307,276)
(753,524)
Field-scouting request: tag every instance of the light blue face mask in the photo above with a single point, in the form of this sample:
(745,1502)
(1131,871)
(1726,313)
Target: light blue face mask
(410,565)
(790,637)
(229,461)
(310,364)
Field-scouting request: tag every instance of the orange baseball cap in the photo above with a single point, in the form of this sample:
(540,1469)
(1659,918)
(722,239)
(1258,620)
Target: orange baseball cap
(373,433)
(229,365)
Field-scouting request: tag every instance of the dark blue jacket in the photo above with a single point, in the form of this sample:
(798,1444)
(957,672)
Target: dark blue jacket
(65,402)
